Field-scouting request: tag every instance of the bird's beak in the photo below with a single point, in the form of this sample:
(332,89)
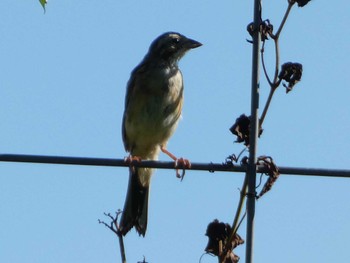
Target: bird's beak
(190,43)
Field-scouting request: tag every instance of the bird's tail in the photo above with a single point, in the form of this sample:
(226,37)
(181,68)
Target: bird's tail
(136,205)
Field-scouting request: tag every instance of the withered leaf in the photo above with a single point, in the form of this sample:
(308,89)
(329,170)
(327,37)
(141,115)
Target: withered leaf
(218,234)
(291,73)
(272,172)
(241,129)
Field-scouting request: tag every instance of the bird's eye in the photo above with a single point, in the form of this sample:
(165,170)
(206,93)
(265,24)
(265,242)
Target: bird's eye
(176,40)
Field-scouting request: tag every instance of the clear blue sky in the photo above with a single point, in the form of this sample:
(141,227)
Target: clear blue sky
(62,87)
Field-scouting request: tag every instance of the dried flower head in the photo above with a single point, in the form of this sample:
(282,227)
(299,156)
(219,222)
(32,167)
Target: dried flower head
(266,29)
(301,3)
(218,234)
(241,129)
(291,73)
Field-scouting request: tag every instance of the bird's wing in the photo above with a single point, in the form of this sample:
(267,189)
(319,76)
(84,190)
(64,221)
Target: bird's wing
(136,74)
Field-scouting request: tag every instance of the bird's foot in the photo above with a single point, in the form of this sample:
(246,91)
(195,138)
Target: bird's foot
(132,159)
(180,163)
(184,164)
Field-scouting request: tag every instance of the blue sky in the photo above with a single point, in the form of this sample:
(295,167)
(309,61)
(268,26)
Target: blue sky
(63,78)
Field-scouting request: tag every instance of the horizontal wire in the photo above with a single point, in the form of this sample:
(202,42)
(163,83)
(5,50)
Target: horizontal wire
(211,167)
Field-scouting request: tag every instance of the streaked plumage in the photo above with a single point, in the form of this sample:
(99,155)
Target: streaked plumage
(153,105)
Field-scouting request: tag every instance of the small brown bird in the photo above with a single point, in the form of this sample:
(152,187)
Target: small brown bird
(153,106)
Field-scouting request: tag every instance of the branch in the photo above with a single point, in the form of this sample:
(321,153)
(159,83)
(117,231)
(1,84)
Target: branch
(263,64)
(267,105)
(276,82)
(290,5)
(236,220)
(114,227)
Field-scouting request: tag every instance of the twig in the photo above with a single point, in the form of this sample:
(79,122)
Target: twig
(277,63)
(276,82)
(263,64)
(290,5)
(206,253)
(240,154)
(267,105)
(114,227)
(122,249)
(236,222)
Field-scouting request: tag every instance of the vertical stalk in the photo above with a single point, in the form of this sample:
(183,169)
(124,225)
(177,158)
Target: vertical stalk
(122,249)
(254,126)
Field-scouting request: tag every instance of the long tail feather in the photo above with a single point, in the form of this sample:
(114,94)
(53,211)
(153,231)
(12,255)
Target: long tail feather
(136,205)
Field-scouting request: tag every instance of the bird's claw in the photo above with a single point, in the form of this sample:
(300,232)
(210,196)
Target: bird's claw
(132,159)
(184,164)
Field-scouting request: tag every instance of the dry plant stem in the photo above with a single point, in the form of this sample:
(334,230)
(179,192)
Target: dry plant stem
(236,220)
(263,64)
(277,64)
(275,83)
(275,37)
(221,258)
(115,229)
(121,246)
(120,237)
(272,84)
(267,105)
(290,5)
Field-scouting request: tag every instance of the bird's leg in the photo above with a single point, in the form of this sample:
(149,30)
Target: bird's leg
(184,163)
(130,160)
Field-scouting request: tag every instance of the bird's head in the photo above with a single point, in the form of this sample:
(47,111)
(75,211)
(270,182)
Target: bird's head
(171,47)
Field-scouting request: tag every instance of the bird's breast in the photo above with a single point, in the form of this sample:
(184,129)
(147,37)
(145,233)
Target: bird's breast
(154,111)
(173,87)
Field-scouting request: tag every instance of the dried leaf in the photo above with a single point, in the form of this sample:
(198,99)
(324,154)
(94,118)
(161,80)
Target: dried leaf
(291,73)
(218,234)
(250,28)
(266,29)
(272,172)
(241,129)
(302,3)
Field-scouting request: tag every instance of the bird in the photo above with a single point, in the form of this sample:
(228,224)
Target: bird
(153,106)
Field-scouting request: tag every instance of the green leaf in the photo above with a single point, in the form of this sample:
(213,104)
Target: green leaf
(43,3)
